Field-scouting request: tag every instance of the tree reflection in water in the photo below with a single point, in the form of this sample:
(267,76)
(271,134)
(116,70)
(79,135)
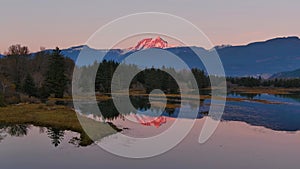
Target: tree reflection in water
(142,103)
(56,135)
(20,130)
(17,130)
(2,134)
(108,111)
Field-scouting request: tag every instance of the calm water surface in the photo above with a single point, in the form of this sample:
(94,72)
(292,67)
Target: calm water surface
(252,134)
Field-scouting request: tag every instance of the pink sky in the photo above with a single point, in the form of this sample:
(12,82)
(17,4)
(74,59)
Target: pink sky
(68,23)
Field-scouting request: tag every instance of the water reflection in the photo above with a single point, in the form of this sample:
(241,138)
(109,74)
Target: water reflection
(277,112)
(245,95)
(283,115)
(109,112)
(55,135)
(294,96)
(17,130)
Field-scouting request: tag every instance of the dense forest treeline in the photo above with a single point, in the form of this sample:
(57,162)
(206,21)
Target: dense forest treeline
(146,80)
(32,78)
(259,82)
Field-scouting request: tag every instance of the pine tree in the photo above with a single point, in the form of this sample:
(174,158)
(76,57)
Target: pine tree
(56,80)
(29,86)
(2,102)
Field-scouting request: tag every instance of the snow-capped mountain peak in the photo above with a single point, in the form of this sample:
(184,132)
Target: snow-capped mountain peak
(147,43)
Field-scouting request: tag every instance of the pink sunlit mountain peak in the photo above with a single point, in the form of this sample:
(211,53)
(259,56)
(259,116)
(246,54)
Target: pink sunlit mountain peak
(147,43)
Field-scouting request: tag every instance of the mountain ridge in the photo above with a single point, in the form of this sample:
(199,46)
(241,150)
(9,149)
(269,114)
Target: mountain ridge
(264,58)
(287,74)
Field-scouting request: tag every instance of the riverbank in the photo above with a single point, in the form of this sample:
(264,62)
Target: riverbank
(267,90)
(59,117)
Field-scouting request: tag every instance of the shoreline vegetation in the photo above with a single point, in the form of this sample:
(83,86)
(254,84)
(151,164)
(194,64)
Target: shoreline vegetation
(192,97)
(266,90)
(58,117)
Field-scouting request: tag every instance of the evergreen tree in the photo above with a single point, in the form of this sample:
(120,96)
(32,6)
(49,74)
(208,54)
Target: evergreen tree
(29,86)
(56,80)
(2,102)
(200,77)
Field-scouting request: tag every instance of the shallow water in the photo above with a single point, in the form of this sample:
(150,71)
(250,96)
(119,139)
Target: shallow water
(283,115)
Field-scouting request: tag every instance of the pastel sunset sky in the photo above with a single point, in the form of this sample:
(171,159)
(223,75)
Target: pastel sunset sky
(67,23)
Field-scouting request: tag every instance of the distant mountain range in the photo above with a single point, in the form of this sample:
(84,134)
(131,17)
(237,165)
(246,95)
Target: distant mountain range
(262,58)
(255,59)
(287,75)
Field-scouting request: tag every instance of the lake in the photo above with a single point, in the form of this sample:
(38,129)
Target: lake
(256,131)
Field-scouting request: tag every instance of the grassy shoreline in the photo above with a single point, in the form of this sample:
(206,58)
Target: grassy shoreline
(260,90)
(59,117)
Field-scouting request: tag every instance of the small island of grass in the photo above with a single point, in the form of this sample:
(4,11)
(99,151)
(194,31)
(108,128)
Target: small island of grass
(59,117)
